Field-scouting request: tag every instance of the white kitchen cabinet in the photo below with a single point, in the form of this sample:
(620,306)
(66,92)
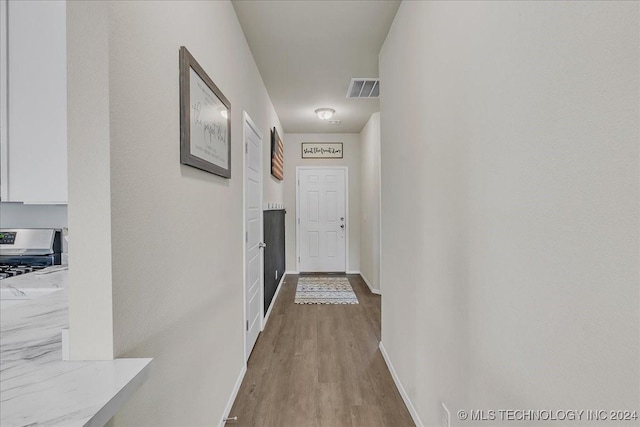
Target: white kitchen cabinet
(34,128)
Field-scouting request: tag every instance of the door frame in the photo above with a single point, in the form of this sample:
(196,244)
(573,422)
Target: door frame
(246,120)
(346,205)
(4,103)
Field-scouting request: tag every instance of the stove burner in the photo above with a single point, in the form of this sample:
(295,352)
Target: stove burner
(16,270)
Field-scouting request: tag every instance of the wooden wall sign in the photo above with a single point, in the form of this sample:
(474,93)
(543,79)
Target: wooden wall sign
(322,150)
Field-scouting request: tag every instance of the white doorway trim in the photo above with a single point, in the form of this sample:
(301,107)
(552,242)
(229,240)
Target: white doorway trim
(347,221)
(246,120)
(379,260)
(4,103)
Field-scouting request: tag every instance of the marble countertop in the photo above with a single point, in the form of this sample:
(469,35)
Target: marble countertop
(36,386)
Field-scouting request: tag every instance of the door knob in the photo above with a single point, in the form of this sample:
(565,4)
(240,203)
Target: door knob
(262,245)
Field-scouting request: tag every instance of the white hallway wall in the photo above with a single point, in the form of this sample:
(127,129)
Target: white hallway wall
(370,202)
(510,200)
(293,158)
(89,181)
(176,232)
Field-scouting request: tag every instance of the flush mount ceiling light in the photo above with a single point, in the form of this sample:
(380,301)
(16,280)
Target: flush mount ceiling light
(325,113)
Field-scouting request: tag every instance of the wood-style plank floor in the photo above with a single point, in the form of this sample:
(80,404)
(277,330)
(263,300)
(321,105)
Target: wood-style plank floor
(319,365)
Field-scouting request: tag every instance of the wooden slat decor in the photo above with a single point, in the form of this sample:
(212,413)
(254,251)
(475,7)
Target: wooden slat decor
(277,155)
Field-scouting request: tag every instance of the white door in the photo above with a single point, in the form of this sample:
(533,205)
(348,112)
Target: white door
(322,219)
(253,234)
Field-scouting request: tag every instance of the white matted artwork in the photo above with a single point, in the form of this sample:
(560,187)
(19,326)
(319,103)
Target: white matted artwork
(322,150)
(208,124)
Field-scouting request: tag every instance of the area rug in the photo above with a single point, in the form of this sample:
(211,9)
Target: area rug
(325,290)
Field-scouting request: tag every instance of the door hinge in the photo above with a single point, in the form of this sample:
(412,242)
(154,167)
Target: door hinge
(247,326)
(246,148)
(298,220)
(246,237)
(298,259)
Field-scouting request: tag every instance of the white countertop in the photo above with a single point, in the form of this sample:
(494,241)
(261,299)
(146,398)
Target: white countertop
(36,386)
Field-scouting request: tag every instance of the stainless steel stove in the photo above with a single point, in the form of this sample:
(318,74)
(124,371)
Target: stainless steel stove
(26,250)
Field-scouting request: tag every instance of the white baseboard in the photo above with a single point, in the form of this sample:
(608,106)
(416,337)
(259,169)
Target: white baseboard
(234,394)
(352,272)
(273,301)
(291,272)
(373,291)
(403,393)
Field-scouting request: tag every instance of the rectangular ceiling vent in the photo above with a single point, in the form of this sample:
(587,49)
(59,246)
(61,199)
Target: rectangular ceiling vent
(364,88)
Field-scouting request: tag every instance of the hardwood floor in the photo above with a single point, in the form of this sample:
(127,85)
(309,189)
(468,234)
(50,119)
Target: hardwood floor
(319,365)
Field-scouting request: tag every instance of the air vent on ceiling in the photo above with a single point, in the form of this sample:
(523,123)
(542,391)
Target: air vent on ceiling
(364,88)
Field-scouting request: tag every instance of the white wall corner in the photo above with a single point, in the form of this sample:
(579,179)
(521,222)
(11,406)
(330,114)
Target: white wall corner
(365,280)
(403,392)
(91,326)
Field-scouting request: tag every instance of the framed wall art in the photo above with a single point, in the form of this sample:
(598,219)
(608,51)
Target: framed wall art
(205,120)
(277,155)
(322,150)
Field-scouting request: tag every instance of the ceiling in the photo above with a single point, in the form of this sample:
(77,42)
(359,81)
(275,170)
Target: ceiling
(307,51)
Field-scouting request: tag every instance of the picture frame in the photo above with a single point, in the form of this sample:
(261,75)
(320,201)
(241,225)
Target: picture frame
(277,155)
(205,120)
(322,150)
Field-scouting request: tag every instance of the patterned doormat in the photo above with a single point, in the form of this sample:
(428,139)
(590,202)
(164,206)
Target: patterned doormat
(325,290)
